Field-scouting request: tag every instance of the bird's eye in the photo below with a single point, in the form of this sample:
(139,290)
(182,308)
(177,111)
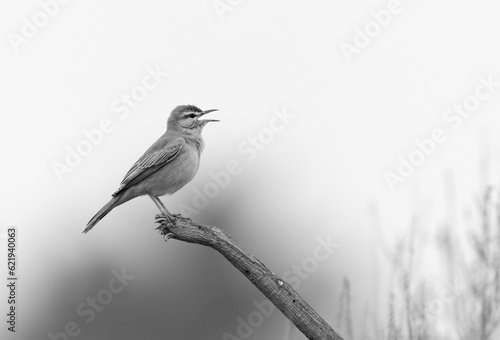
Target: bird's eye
(192,115)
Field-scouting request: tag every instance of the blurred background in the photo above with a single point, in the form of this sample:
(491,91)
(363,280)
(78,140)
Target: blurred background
(323,107)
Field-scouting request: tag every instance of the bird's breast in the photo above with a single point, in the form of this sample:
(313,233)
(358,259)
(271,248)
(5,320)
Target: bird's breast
(190,165)
(177,173)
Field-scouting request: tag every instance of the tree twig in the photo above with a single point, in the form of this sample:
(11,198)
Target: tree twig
(279,292)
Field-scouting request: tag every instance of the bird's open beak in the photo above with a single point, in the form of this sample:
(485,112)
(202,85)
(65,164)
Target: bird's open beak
(207,120)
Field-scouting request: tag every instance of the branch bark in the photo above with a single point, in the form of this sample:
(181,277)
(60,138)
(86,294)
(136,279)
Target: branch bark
(279,292)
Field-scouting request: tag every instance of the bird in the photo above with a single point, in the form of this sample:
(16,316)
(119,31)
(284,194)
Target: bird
(167,165)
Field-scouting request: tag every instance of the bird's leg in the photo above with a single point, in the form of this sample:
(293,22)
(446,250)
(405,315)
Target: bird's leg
(170,215)
(161,207)
(174,215)
(159,203)
(165,215)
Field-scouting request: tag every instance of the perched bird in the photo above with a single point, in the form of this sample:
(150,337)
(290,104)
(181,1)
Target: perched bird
(169,164)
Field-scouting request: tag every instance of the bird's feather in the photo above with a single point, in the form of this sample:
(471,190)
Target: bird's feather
(151,162)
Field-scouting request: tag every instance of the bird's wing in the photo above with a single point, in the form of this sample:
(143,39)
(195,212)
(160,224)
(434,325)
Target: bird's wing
(150,162)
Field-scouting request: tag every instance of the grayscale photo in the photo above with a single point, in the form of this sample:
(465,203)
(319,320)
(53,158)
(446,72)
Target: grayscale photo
(234,170)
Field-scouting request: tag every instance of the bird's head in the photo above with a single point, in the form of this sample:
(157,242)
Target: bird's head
(186,118)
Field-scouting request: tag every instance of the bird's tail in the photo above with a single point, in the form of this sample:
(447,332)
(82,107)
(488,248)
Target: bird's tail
(114,202)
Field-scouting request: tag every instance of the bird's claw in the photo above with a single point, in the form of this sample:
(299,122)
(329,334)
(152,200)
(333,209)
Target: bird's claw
(165,225)
(164,229)
(165,232)
(169,219)
(179,217)
(160,218)
(167,222)
(167,235)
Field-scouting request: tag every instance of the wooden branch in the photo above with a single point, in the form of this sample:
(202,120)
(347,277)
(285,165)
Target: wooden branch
(279,292)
